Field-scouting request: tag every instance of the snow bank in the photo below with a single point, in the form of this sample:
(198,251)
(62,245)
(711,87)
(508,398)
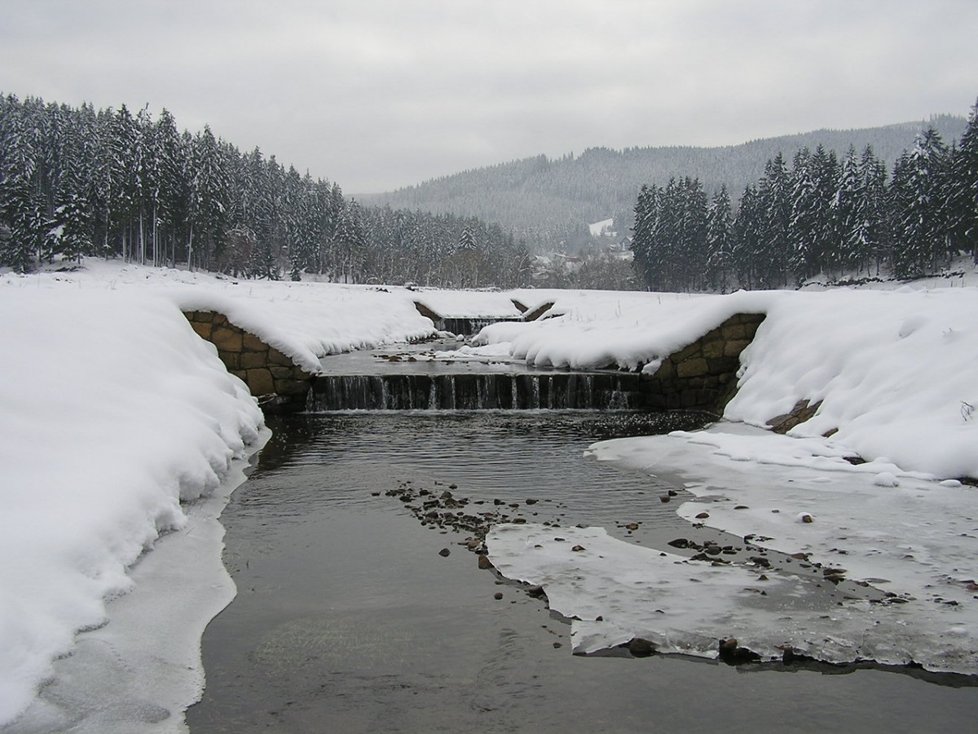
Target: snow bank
(303,320)
(112,411)
(895,370)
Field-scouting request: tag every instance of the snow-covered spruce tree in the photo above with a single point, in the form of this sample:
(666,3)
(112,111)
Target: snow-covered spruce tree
(22,205)
(851,217)
(719,241)
(690,250)
(919,207)
(350,243)
(748,228)
(805,241)
(642,232)
(774,199)
(963,191)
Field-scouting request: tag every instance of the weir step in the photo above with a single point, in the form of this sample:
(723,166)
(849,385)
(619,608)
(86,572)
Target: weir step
(491,391)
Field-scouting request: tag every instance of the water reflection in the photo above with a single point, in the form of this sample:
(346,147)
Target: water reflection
(348,619)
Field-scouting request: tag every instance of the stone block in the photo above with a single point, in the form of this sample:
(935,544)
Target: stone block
(666,370)
(251,360)
(724,365)
(202,328)
(687,352)
(280,372)
(291,387)
(251,343)
(226,339)
(734,331)
(695,367)
(734,348)
(231,360)
(713,349)
(276,357)
(260,381)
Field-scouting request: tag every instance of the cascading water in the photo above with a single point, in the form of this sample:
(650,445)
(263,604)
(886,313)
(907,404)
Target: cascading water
(463,391)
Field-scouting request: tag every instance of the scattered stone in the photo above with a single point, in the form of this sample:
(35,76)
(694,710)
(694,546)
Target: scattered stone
(679,543)
(631,526)
(578,548)
(531,501)
(702,515)
(444,552)
(484,563)
(498,595)
(558,645)
(664,498)
(536,592)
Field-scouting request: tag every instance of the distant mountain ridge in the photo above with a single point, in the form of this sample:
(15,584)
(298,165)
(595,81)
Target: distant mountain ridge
(550,200)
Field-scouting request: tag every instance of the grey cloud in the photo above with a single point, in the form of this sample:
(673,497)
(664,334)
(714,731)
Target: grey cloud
(382,93)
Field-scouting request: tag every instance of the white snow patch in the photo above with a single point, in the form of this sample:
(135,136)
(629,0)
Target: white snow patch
(604,228)
(113,411)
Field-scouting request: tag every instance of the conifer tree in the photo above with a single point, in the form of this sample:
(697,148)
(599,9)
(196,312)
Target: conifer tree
(719,241)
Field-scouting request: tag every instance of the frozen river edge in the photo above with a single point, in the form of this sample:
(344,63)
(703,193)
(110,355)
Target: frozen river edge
(143,669)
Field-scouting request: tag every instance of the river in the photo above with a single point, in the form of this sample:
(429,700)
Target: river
(350,617)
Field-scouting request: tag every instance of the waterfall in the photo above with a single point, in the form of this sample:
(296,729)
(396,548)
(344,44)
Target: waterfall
(465,391)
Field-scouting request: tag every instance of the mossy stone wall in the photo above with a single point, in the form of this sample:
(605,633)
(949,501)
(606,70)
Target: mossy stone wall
(270,375)
(703,374)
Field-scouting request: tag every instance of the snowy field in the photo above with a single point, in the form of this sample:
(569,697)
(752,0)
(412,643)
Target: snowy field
(122,432)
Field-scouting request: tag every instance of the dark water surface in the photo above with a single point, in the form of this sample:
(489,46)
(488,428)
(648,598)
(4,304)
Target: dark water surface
(347,619)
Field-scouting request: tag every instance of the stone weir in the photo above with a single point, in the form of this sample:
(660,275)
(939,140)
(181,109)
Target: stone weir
(476,391)
(278,383)
(700,376)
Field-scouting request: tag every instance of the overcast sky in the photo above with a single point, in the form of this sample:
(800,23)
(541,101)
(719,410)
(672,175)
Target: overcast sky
(377,94)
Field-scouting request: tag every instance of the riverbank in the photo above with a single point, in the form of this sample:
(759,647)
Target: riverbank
(115,412)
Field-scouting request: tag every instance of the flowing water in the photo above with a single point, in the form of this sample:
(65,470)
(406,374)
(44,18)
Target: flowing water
(350,617)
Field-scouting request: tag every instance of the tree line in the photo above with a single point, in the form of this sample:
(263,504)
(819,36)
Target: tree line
(78,182)
(818,215)
(549,201)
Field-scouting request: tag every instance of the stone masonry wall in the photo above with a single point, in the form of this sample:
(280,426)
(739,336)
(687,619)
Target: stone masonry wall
(270,375)
(703,375)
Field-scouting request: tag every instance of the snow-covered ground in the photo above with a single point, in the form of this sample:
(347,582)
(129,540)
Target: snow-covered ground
(114,415)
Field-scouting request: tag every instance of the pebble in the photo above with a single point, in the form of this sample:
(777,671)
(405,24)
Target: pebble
(444,552)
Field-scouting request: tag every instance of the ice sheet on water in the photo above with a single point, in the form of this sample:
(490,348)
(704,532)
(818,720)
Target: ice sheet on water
(915,539)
